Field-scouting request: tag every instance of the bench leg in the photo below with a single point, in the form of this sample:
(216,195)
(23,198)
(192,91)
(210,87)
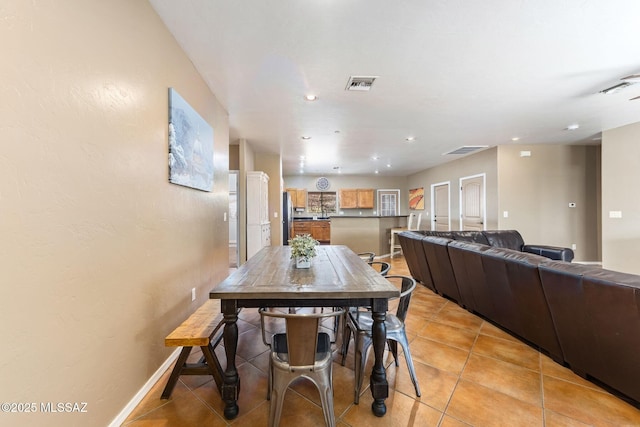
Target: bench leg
(213,365)
(175,374)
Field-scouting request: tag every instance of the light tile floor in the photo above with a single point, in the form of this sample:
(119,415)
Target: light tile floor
(471,373)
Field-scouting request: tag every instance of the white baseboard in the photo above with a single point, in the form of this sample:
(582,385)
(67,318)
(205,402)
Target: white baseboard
(126,411)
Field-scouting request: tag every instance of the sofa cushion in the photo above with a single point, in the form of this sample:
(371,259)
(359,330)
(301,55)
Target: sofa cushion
(508,239)
(470,236)
(466,262)
(444,281)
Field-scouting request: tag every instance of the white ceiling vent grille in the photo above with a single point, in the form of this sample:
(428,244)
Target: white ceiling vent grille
(360,83)
(466,149)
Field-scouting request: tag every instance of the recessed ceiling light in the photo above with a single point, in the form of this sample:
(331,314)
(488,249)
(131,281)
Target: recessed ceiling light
(376,171)
(336,131)
(411,138)
(374,157)
(388,165)
(306,137)
(515,138)
(573,126)
(310,97)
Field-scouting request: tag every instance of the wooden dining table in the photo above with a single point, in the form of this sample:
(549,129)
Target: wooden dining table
(337,278)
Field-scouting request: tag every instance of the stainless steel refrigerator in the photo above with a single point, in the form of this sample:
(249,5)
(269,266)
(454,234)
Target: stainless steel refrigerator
(287,218)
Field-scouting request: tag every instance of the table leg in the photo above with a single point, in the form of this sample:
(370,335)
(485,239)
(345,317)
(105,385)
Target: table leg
(379,384)
(231,385)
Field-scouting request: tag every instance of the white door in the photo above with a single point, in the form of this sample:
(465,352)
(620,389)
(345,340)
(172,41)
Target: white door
(440,220)
(472,202)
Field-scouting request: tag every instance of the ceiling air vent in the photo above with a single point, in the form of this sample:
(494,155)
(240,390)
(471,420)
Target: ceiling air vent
(466,149)
(360,83)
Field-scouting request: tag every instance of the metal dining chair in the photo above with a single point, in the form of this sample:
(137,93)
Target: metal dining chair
(367,256)
(360,324)
(301,351)
(380,266)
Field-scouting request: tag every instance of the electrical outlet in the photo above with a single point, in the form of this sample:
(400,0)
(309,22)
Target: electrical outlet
(573,246)
(193,294)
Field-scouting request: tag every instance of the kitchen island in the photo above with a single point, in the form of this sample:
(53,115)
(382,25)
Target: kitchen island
(365,233)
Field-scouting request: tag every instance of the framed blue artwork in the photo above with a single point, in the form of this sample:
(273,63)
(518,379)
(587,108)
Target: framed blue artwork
(190,146)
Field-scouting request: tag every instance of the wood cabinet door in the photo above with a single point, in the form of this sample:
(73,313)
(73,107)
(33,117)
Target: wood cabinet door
(298,197)
(301,198)
(301,227)
(325,233)
(365,198)
(321,231)
(348,199)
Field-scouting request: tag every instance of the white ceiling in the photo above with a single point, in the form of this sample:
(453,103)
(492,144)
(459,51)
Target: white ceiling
(450,73)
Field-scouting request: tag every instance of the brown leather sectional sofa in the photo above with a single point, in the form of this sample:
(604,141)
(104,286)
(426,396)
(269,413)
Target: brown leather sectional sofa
(582,316)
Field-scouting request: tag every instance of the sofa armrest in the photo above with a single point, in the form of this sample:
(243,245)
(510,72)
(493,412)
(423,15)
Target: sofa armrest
(551,252)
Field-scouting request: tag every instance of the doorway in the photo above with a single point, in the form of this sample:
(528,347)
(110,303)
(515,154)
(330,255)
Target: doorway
(472,203)
(440,206)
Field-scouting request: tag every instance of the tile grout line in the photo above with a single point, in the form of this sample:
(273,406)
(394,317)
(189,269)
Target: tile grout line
(444,412)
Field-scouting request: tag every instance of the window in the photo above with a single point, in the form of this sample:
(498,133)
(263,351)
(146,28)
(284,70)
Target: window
(389,202)
(321,202)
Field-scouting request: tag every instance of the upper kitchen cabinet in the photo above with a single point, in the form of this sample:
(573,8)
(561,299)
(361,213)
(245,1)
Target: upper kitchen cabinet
(356,198)
(365,198)
(298,197)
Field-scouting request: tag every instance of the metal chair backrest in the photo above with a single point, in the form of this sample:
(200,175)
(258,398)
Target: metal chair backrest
(302,330)
(380,266)
(367,256)
(407,288)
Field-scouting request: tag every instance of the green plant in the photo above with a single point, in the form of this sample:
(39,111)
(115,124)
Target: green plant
(303,247)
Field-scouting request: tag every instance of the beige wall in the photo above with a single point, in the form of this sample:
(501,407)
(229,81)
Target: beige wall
(536,192)
(484,162)
(234,157)
(621,172)
(98,252)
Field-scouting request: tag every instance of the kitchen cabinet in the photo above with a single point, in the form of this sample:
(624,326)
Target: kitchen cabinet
(318,229)
(365,198)
(298,197)
(356,198)
(301,227)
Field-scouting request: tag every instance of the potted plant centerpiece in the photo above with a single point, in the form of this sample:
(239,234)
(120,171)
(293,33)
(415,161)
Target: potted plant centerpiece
(303,248)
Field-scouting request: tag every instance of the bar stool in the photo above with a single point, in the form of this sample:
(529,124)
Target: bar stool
(397,230)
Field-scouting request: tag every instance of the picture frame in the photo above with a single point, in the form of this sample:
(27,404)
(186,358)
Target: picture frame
(416,198)
(190,146)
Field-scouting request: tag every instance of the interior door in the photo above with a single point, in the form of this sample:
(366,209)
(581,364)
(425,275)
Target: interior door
(472,200)
(440,207)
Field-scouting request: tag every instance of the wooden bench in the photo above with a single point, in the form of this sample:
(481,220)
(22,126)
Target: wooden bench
(203,329)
